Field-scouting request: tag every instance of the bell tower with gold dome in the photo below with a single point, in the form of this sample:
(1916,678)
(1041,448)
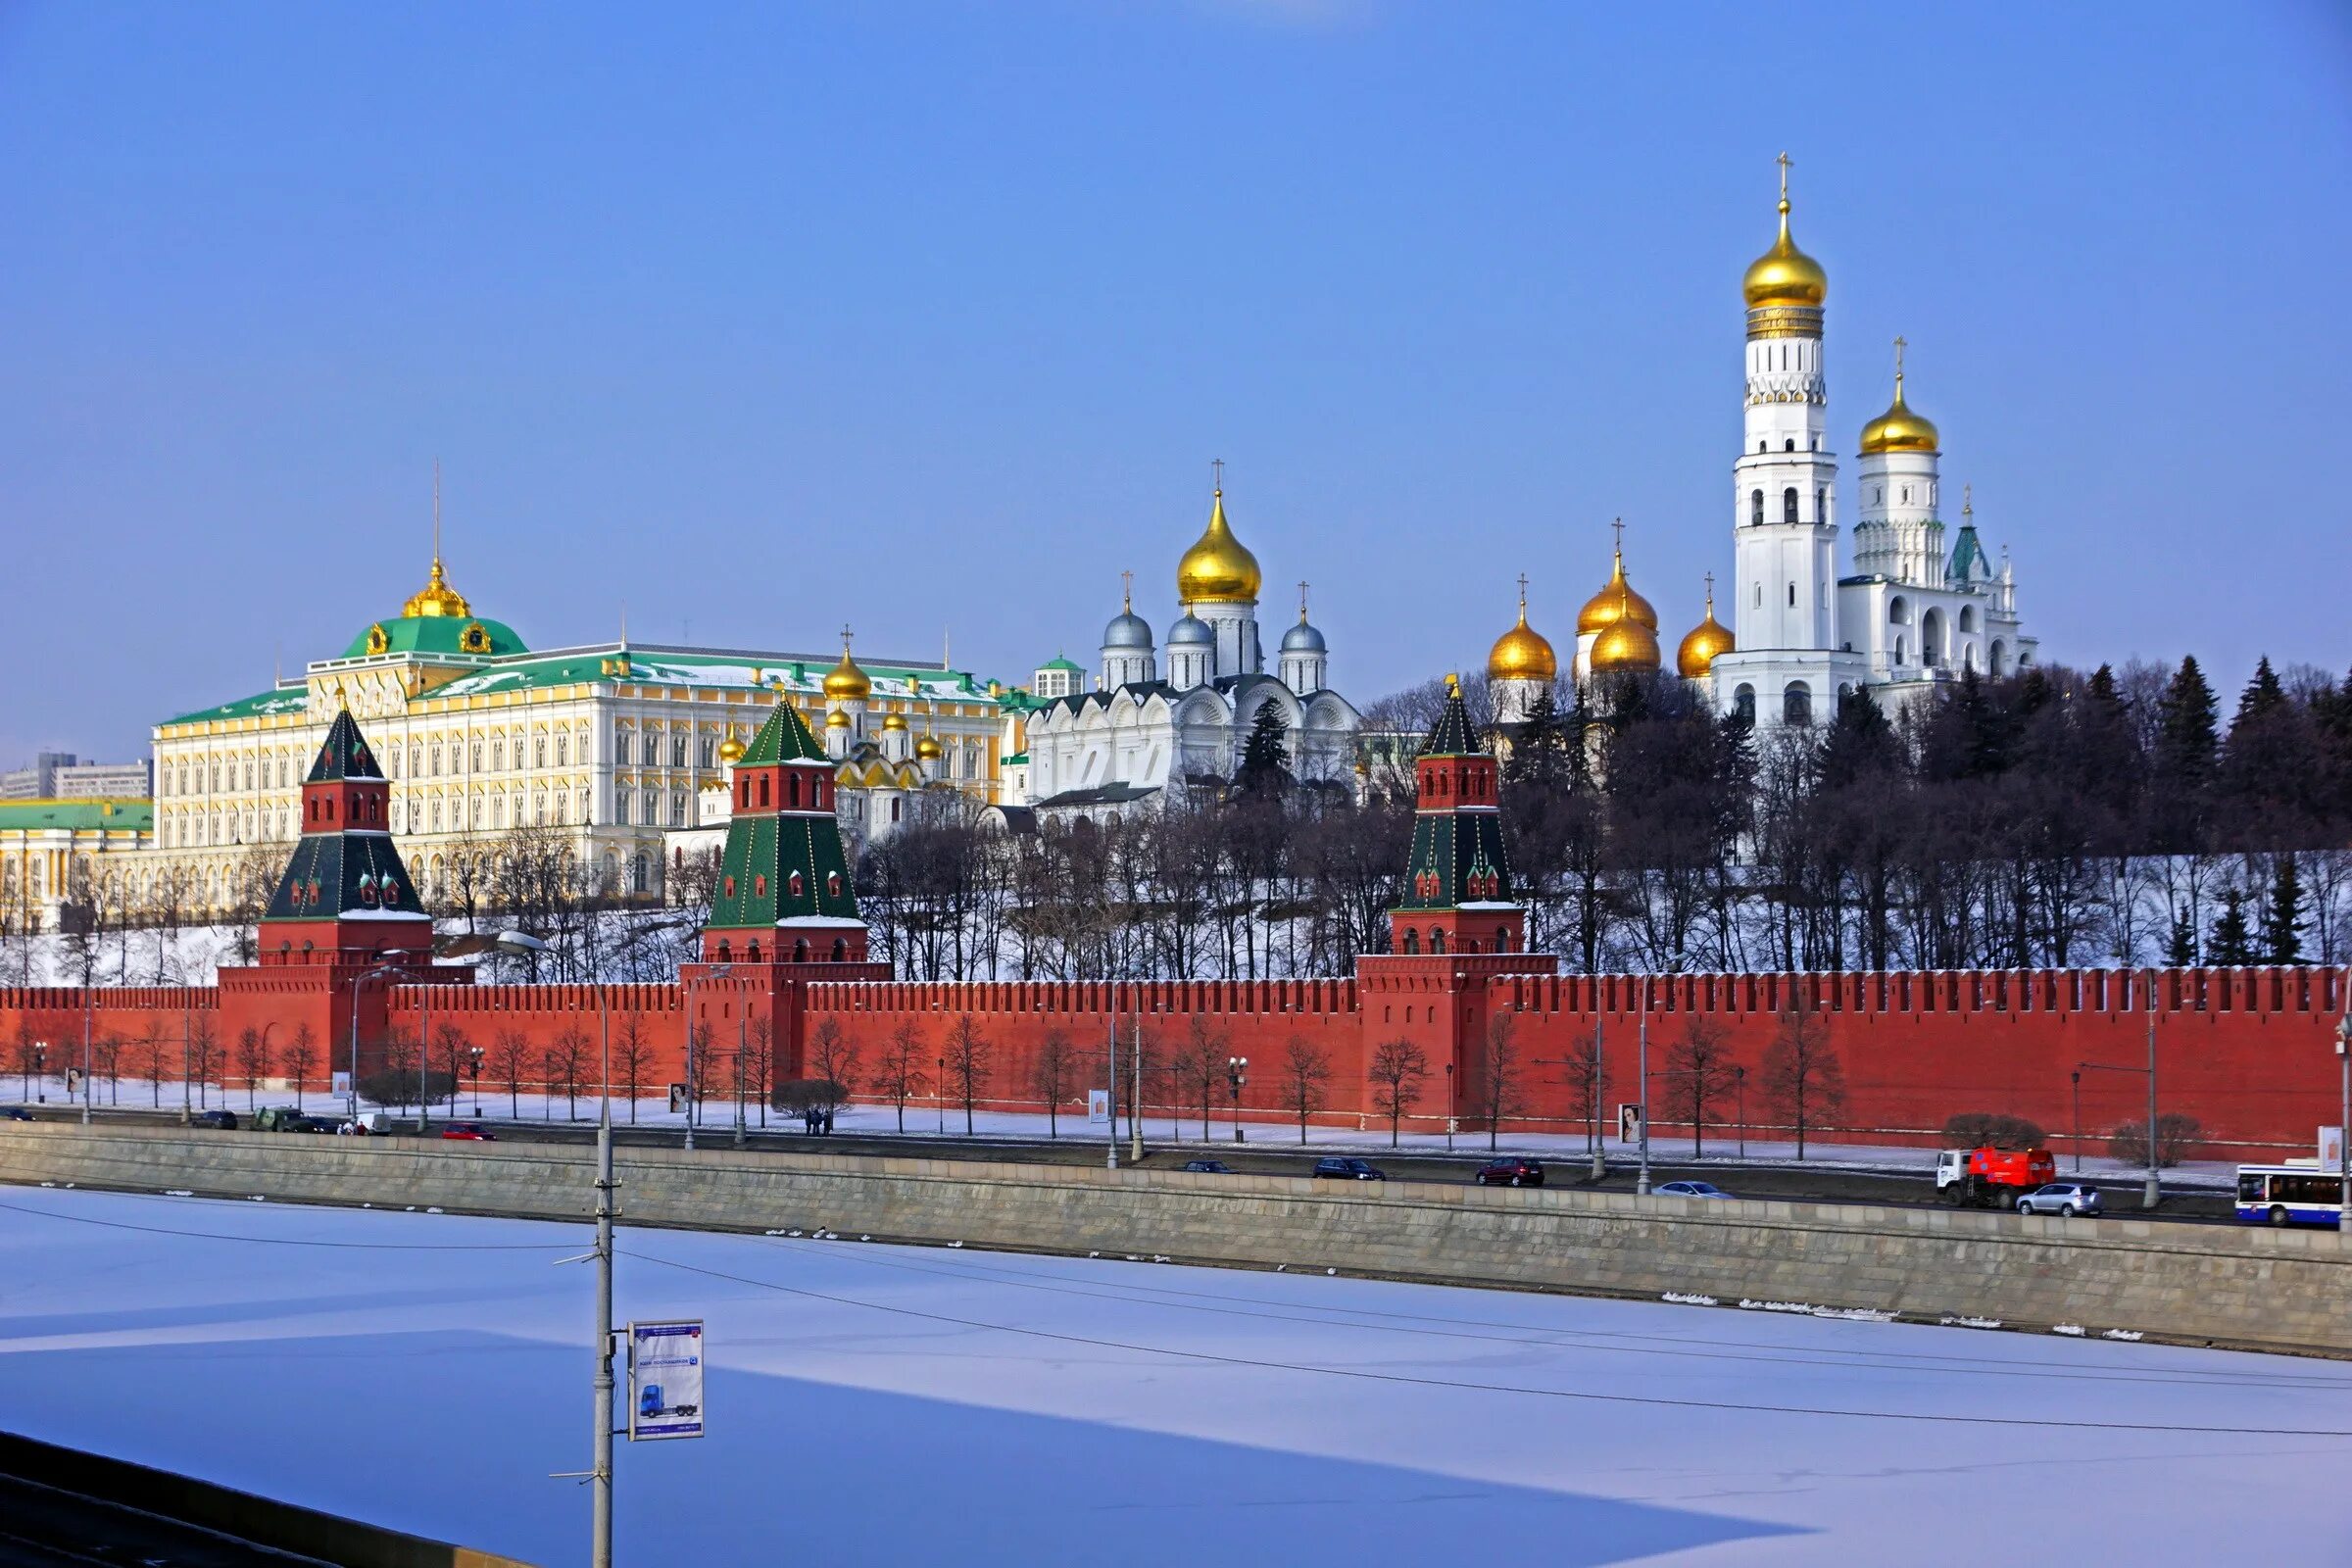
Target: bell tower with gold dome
(1787,663)
(1899,535)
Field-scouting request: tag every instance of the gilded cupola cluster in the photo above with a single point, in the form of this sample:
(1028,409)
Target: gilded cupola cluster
(1523,653)
(1785,288)
(1695,658)
(1899,429)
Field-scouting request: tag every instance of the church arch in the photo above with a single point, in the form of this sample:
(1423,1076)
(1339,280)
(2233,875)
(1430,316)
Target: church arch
(1413,942)
(1967,618)
(1931,638)
(1789,506)
(1755,507)
(1797,704)
(1998,659)
(1744,703)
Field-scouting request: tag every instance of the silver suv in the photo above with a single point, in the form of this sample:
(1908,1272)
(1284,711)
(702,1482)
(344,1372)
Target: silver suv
(2061,1198)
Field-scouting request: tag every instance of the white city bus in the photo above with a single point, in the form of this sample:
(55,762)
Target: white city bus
(2288,1194)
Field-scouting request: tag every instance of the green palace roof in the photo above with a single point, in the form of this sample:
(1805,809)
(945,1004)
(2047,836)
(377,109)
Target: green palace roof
(82,816)
(264,704)
(471,637)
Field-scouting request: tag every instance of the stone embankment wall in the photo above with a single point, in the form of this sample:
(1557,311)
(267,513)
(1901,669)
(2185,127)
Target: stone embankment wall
(2195,1283)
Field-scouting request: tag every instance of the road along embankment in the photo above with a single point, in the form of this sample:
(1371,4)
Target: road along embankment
(2200,1284)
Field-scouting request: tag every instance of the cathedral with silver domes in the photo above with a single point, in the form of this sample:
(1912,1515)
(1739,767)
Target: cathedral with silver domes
(1918,610)
(1177,714)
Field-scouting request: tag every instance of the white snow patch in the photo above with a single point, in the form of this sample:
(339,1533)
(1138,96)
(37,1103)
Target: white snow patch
(1951,1322)
(1690,1299)
(2074,1328)
(2124,1334)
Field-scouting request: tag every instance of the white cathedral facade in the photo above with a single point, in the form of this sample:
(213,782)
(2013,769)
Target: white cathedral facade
(1919,609)
(1179,712)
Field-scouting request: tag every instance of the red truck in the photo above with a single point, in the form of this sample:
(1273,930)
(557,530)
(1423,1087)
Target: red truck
(1994,1176)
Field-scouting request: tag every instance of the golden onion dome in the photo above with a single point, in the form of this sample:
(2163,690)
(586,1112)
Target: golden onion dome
(1695,658)
(1783,274)
(1219,569)
(837,719)
(1627,647)
(436,598)
(1523,653)
(929,749)
(1899,429)
(845,681)
(1615,600)
(894,721)
(730,750)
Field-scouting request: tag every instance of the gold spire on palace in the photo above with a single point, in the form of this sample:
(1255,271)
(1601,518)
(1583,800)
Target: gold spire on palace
(436,598)
(1218,569)
(1523,653)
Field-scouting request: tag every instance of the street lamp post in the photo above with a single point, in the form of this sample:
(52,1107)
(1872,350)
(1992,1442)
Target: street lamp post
(2078,1075)
(40,1070)
(1642,1181)
(940,1096)
(89,1001)
(473,1056)
(1449,1108)
(386,966)
(1236,1075)
(1111,1060)
(1135,1107)
(742,1128)
(1740,1078)
(2343,1124)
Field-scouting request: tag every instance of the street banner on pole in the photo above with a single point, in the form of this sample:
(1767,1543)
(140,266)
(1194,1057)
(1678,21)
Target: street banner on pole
(1097,1106)
(666,1380)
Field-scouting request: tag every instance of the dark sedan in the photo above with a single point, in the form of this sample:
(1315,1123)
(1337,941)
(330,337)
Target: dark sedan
(224,1120)
(1208,1167)
(1349,1169)
(1511,1171)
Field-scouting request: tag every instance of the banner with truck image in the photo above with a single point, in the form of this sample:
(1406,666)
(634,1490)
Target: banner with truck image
(666,1380)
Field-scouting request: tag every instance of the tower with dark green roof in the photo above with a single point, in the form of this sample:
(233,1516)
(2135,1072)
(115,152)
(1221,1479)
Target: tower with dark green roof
(1458,892)
(345,895)
(783,893)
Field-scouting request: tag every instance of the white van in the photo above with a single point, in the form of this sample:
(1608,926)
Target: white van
(369,1124)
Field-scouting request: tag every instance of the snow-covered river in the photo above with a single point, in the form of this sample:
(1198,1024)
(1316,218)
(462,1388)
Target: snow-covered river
(887,1405)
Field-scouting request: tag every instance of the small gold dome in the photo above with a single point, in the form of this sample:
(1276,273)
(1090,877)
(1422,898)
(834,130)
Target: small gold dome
(1695,658)
(1219,569)
(1523,653)
(837,719)
(1785,274)
(436,598)
(1899,429)
(1626,648)
(1615,600)
(730,750)
(929,749)
(894,721)
(845,681)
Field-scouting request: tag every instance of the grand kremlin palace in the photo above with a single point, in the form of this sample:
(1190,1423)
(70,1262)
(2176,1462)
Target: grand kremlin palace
(611,744)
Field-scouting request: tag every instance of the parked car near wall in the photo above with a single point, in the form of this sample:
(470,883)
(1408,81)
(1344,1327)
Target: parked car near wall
(1511,1170)
(1348,1168)
(2061,1198)
(221,1120)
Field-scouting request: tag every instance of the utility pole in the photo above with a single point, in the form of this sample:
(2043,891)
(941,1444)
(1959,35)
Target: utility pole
(1135,1104)
(2154,1194)
(2343,1124)
(601,1555)
(1600,1103)
(88,1002)
(1111,1056)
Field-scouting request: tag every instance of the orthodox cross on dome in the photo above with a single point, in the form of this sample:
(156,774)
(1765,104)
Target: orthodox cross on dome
(1619,525)
(1710,589)
(1217,469)
(1968,501)
(1127,591)
(1785,162)
(1900,343)
(1303,601)
(1523,595)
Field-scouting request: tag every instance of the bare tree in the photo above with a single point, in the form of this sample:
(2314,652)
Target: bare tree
(151,1066)
(1700,1068)
(302,1058)
(108,1050)
(1586,1076)
(760,1059)
(968,1057)
(1400,1072)
(632,1055)
(1197,1064)
(899,1077)
(1305,1079)
(1500,1091)
(1050,1073)
(451,1045)
(1800,1074)
(400,1068)
(563,1063)
(510,1064)
(204,1054)
(253,1060)
(832,1068)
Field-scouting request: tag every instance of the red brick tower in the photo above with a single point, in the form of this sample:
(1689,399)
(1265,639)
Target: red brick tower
(1458,926)
(345,906)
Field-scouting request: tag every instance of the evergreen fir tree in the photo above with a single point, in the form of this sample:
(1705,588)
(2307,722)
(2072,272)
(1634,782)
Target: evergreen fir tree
(2102,688)
(1860,741)
(2232,944)
(2263,696)
(2180,951)
(2185,737)
(1578,745)
(1536,752)
(1265,754)
(2282,921)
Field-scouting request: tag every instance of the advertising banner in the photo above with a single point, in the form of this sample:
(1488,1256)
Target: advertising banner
(666,1380)
(1628,1122)
(1097,1106)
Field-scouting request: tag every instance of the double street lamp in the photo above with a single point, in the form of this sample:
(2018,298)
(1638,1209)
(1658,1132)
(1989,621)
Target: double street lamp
(1236,1073)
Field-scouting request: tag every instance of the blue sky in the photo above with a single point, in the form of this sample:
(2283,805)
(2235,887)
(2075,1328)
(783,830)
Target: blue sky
(928,317)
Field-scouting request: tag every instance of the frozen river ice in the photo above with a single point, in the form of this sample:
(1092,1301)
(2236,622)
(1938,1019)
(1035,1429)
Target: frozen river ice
(887,1405)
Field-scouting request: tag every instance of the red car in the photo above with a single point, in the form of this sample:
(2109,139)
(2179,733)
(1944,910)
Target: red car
(472,1132)
(1511,1171)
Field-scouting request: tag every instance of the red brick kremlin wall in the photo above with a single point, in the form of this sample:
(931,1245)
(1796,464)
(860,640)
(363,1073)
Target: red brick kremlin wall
(2248,1053)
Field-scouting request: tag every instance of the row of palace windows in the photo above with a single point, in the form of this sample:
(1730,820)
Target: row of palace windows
(1788,445)
(1788,498)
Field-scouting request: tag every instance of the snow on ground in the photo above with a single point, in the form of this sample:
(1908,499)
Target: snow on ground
(890,1405)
